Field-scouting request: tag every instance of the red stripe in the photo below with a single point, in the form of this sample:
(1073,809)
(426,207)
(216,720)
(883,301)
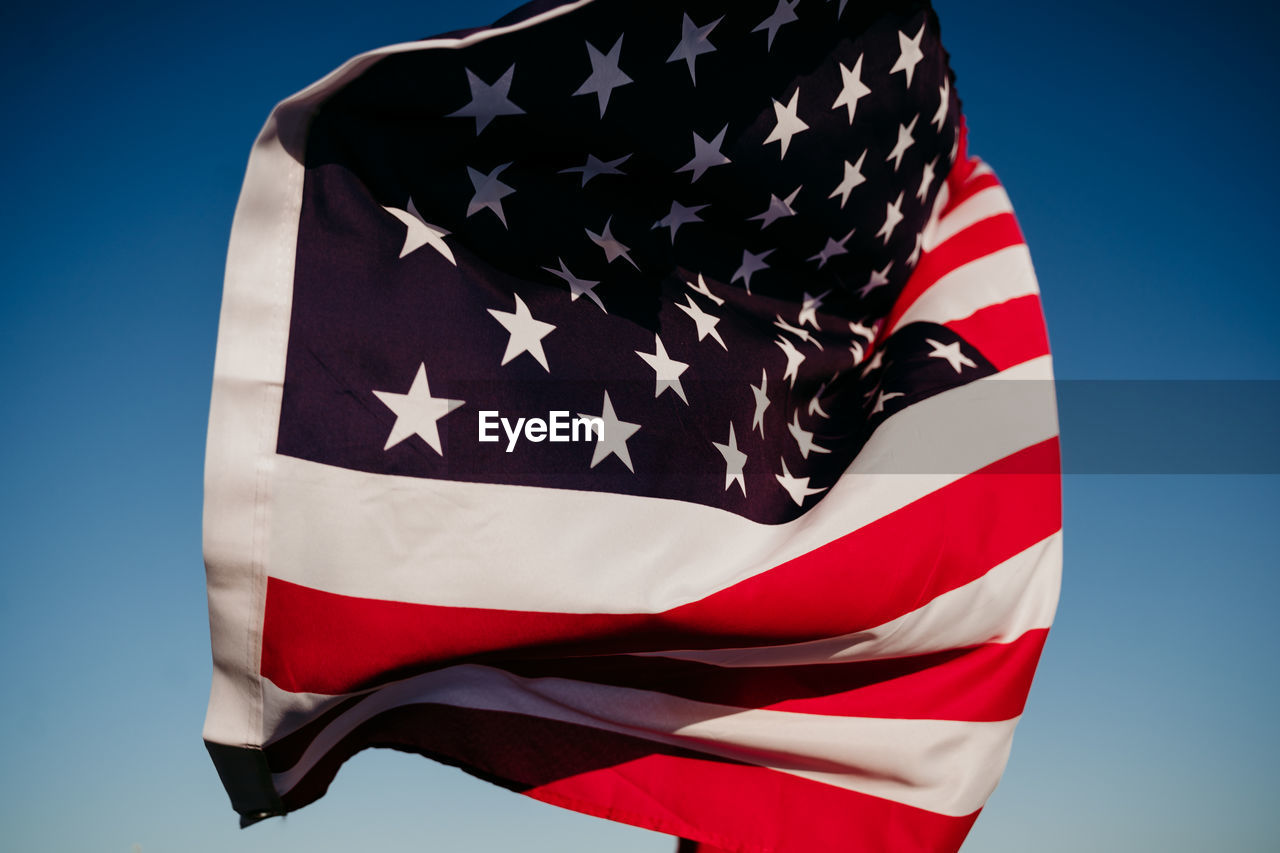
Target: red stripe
(743,808)
(980,239)
(646,784)
(961,193)
(1006,334)
(960,181)
(322,642)
(982,683)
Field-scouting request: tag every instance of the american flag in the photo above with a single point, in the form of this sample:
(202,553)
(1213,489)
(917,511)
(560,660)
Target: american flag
(790,597)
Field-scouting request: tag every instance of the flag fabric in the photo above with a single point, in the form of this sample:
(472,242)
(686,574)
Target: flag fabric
(643,406)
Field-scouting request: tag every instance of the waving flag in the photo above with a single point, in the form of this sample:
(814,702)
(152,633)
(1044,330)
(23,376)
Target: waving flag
(643,406)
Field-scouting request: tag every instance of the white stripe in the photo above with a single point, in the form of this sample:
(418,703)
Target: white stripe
(1017,596)
(524,548)
(944,766)
(990,280)
(247,374)
(981,205)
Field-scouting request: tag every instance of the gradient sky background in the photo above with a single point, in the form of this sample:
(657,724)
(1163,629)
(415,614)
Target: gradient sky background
(1138,143)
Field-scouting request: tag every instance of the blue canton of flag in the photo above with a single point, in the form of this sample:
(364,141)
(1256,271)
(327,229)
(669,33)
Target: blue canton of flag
(689,230)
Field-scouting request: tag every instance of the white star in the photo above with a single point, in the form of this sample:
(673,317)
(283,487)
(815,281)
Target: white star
(705,155)
(858,353)
(926,179)
(852,178)
(705,322)
(612,248)
(794,358)
(905,141)
(761,393)
(944,101)
(803,334)
(809,306)
(595,167)
(666,370)
(734,461)
(679,215)
(915,252)
(789,124)
(874,364)
(879,278)
(613,436)
(526,333)
(882,398)
(803,437)
(693,43)
(489,102)
(815,404)
(892,216)
(778,209)
(701,287)
(853,90)
(797,487)
(751,263)
(784,14)
(489,192)
(605,74)
(577,286)
(833,248)
(416,412)
(909,55)
(951,352)
(867,332)
(419,232)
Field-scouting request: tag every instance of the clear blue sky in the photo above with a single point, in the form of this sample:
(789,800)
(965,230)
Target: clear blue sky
(1138,143)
